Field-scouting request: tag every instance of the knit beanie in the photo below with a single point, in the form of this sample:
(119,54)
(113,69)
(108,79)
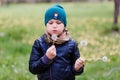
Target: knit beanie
(56,12)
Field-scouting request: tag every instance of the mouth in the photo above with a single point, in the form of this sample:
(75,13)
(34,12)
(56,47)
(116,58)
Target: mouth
(54,30)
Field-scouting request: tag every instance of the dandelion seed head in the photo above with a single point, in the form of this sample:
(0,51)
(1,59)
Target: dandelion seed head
(83,43)
(104,58)
(54,37)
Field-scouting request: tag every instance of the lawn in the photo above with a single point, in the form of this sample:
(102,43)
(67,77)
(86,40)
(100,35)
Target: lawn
(21,24)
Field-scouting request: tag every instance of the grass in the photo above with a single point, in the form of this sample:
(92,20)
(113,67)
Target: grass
(21,24)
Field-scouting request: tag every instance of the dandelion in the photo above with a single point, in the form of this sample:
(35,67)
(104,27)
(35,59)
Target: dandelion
(104,58)
(54,37)
(83,43)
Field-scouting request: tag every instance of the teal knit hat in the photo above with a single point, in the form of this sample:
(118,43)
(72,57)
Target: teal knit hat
(56,12)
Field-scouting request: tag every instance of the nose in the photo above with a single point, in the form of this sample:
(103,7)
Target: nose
(54,25)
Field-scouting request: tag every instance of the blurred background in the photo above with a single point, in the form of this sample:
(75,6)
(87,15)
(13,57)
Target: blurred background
(94,22)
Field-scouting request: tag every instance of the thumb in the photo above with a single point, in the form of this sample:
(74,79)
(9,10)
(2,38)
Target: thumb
(53,47)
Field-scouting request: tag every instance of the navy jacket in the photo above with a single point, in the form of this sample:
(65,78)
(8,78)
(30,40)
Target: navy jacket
(61,67)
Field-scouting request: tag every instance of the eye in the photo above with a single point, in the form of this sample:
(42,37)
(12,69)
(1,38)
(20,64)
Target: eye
(58,22)
(50,22)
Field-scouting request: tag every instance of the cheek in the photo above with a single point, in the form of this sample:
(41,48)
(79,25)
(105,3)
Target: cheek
(48,30)
(61,30)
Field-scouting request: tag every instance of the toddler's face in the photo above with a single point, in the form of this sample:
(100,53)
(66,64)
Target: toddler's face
(55,27)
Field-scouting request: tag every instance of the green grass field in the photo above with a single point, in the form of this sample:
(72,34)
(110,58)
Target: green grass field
(21,24)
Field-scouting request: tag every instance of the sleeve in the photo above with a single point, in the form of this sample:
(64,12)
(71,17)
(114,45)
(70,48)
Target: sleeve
(38,62)
(76,56)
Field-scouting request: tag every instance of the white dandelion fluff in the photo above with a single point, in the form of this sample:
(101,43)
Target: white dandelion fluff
(54,37)
(104,58)
(83,42)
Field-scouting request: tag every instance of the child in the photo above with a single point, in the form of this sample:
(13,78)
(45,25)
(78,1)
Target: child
(55,55)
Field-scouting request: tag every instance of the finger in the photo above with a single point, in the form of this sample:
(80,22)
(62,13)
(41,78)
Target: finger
(81,60)
(79,63)
(53,47)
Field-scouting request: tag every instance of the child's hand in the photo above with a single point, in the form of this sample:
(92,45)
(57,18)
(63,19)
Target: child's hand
(51,52)
(78,64)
